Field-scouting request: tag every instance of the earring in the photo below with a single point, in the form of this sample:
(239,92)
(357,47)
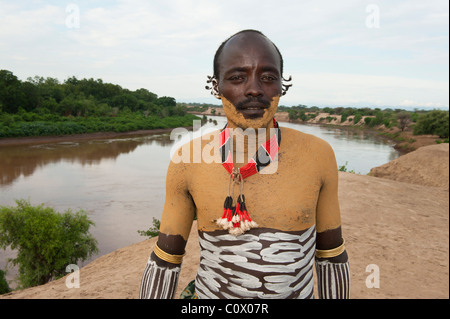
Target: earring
(213,87)
(286,86)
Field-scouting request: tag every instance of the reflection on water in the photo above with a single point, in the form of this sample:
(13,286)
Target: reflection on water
(120,182)
(23,160)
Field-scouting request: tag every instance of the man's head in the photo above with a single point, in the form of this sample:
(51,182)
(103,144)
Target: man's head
(220,49)
(248,78)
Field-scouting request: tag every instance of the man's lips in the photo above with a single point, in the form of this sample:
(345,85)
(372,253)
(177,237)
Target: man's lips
(253,106)
(253,110)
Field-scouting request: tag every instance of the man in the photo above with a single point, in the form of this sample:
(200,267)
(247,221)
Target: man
(262,244)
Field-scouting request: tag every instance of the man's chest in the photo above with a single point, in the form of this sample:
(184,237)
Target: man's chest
(283,196)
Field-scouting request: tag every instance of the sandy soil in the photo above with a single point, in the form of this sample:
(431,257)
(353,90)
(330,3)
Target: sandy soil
(397,225)
(423,166)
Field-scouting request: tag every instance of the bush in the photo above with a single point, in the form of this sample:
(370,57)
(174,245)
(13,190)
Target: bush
(442,141)
(46,240)
(4,288)
(369,121)
(344,168)
(434,122)
(152,231)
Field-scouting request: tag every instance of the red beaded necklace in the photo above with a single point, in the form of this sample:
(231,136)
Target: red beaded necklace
(236,218)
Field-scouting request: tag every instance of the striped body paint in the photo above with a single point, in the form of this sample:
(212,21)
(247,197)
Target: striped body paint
(158,282)
(333,280)
(263,263)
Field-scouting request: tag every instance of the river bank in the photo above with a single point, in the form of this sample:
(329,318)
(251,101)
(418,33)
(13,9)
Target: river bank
(80,137)
(403,141)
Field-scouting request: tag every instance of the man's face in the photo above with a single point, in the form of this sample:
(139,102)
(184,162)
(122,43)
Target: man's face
(249,80)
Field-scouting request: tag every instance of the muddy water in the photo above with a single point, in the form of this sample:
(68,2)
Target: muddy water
(120,182)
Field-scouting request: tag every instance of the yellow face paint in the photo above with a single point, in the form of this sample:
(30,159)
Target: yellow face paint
(236,119)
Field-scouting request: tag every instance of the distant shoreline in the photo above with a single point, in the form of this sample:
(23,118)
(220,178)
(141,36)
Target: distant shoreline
(405,142)
(403,146)
(13,141)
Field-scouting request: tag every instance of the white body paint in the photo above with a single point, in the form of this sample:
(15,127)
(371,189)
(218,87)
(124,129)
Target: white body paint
(333,280)
(268,264)
(158,282)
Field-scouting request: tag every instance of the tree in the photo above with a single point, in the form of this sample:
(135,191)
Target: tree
(11,95)
(32,99)
(47,241)
(166,101)
(145,95)
(292,114)
(404,118)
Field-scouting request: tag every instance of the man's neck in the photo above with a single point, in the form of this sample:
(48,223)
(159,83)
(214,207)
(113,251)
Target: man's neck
(247,141)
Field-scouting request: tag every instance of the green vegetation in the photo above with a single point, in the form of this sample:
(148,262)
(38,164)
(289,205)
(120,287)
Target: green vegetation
(46,241)
(44,106)
(344,168)
(31,124)
(152,231)
(4,287)
(198,107)
(397,137)
(435,122)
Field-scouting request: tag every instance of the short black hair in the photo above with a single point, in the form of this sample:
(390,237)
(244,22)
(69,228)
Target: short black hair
(213,79)
(220,49)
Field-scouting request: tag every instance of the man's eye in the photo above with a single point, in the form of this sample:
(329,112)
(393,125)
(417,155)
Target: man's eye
(268,78)
(236,78)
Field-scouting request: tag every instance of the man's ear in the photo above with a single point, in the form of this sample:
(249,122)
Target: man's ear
(214,86)
(284,86)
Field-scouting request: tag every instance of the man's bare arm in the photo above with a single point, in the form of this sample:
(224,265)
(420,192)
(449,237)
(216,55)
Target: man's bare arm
(161,273)
(333,273)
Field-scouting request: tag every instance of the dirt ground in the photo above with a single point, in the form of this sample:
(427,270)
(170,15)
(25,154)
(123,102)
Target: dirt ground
(423,166)
(396,229)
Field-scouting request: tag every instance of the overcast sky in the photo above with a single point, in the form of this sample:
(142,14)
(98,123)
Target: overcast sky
(359,53)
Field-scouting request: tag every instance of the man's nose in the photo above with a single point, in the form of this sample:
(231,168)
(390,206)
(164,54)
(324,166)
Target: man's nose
(254,87)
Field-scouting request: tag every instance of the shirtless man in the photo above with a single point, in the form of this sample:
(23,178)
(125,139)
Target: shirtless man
(291,198)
